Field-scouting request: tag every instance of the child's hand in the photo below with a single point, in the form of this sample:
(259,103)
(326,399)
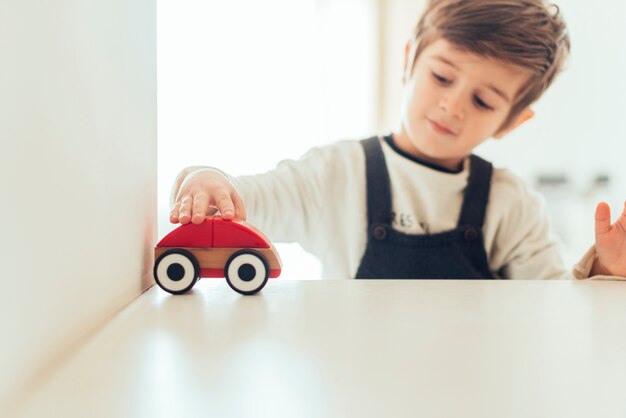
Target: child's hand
(610,243)
(204,192)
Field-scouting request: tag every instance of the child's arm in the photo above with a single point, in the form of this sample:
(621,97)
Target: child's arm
(286,203)
(610,243)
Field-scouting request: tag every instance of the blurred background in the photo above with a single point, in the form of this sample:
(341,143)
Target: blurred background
(245,84)
(241,85)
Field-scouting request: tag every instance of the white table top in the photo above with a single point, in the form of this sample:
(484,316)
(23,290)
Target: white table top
(353,349)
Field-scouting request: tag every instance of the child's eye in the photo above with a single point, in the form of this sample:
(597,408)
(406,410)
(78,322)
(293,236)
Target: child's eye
(482,104)
(440,79)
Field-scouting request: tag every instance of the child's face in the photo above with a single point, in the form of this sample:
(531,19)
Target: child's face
(453,101)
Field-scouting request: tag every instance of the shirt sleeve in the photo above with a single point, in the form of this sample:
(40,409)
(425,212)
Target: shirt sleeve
(582,270)
(287,203)
(525,247)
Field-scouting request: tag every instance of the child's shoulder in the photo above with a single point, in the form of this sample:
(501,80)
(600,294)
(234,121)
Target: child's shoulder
(511,190)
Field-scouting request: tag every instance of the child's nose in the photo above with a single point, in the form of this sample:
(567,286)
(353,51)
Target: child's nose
(452,104)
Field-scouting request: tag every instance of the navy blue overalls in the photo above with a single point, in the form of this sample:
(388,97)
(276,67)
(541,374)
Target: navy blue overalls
(455,254)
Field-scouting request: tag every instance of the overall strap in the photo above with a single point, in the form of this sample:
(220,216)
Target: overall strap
(377,183)
(476,193)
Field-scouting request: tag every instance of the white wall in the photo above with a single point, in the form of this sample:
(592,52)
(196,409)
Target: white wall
(77,174)
(397,18)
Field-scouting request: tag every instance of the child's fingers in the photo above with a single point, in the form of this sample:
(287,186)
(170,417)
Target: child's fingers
(224,203)
(174,213)
(240,209)
(603,218)
(184,215)
(200,208)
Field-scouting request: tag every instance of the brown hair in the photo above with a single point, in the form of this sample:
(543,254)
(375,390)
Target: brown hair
(527,33)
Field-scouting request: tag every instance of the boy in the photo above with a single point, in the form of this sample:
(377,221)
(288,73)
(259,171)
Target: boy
(417,203)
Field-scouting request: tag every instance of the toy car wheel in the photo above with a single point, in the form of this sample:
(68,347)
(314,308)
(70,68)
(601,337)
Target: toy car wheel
(176,271)
(246,272)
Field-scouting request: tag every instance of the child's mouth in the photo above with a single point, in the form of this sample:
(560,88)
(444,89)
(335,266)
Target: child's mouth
(440,129)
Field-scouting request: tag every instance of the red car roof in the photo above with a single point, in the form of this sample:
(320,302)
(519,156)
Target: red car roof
(216,232)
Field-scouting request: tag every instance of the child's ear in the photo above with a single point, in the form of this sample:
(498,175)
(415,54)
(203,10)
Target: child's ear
(407,50)
(525,116)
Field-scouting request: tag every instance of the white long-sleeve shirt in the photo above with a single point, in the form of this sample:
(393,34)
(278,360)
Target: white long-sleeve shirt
(319,201)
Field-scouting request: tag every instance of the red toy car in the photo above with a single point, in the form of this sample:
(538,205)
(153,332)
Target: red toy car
(216,248)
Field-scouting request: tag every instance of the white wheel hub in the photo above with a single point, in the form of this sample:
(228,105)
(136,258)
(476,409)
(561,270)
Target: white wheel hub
(175,272)
(247,272)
